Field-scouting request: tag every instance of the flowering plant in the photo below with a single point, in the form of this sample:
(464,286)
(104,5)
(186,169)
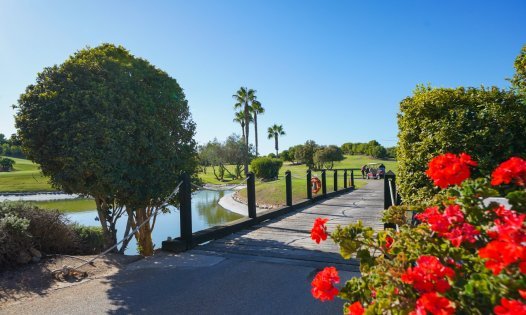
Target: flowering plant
(467,255)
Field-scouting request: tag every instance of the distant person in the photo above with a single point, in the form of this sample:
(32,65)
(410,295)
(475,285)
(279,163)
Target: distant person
(363,171)
(382,167)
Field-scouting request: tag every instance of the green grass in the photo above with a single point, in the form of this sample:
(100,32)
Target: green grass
(26,176)
(74,205)
(273,193)
(209,177)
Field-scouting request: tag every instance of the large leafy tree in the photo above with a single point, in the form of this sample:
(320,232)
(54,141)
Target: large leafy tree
(110,125)
(257,109)
(275,131)
(244,98)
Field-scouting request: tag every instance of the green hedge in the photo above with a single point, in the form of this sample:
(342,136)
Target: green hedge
(266,168)
(489,124)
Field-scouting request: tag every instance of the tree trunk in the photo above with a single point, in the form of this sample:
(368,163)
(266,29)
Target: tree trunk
(144,235)
(243,132)
(109,235)
(276,143)
(256,131)
(247,123)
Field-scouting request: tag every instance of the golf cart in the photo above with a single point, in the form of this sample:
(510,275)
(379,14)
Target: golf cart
(375,170)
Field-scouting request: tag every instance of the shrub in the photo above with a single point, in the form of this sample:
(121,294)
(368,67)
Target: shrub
(24,226)
(266,168)
(488,124)
(13,238)
(6,164)
(50,229)
(466,256)
(90,238)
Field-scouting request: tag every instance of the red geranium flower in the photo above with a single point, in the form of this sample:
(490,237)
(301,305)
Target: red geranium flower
(450,169)
(319,230)
(323,284)
(522,293)
(449,224)
(500,255)
(435,304)
(512,170)
(510,307)
(509,237)
(356,309)
(429,275)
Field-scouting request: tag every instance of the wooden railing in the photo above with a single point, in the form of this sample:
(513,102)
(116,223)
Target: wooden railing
(188,240)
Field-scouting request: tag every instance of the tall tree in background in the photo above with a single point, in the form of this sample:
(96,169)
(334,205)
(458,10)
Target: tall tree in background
(244,98)
(257,109)
(240,119)
(274,132)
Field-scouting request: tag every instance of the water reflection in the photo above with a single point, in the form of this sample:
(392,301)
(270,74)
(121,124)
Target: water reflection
(206,212)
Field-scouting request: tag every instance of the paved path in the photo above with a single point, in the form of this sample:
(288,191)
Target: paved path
(264,270)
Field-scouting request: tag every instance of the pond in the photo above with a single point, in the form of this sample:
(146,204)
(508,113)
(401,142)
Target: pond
(206,212)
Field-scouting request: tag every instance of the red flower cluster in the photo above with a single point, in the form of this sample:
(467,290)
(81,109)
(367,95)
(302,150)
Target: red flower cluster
(510,307)
(449,224)
(429,275)
(507,246)
(323,284)
(356,309)
(319,230)
(513,170)
(435,304)
(450,169)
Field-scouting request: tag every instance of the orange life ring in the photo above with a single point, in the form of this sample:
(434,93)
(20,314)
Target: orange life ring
(316,184)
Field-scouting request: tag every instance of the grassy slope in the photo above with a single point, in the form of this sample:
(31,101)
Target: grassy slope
(75,205)
(274,192)
(25,177)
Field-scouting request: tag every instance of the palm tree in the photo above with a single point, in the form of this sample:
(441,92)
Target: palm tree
(240,119)
(257,109)
(244,98)
(275,131)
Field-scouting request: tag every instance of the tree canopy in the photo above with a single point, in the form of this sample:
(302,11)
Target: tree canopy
(110,125)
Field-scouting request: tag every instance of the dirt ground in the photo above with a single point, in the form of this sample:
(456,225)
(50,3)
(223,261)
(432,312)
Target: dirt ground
(37,279)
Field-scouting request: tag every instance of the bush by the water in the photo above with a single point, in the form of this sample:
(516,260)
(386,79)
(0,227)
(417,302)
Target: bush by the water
(266,168)
(489,124)
(90,238)
(24,228)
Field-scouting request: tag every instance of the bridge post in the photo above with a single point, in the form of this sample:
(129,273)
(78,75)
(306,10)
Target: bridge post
(335,180)
(323,183)
(251,195)
(185,210)
(389,189)
(288,190)
(352,179)
(345,179)
(309,184)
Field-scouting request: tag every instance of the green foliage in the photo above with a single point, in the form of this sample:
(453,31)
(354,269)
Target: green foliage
(109,125)
(372,148)
(305,153)
(218,155)
(6,164)
(488,124)
(324,157)
(91,240)
(519,78)
(285,156)
(266,168)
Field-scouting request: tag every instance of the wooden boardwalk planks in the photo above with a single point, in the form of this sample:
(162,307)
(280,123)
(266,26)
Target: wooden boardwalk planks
(287,239)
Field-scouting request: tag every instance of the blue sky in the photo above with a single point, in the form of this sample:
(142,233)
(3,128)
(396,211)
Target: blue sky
(331,71)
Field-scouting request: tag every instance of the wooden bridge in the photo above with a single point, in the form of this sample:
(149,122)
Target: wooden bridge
(286,239)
